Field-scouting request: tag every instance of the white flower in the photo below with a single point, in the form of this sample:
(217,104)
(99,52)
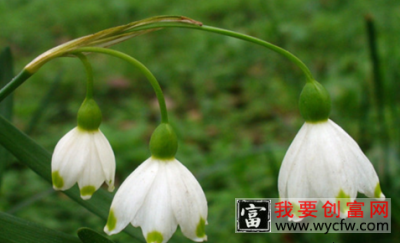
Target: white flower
(157,196)
(85,157)
(323,161)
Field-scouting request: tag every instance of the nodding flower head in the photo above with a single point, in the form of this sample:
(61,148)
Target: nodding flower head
(84,155)
(160,195)
(323,161)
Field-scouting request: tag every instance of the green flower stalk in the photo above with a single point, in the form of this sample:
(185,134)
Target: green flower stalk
(84,154)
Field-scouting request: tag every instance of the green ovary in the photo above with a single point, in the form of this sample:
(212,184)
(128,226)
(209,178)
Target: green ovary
(314,102)
(89,115)
(58,181)
(164,142)
(200,229)
(154,237)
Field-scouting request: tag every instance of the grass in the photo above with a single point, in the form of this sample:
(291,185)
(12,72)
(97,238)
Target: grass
(233,104)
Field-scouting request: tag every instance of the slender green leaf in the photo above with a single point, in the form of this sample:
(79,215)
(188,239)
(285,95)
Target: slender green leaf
(29,201)
(89,236)
(16,230)
(44,103)
(6,74)
(381,97)
(39,160)
(6,106)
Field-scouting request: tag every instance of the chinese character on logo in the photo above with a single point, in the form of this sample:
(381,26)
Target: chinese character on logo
(253,220)
(307,208)
(286,208)
(379,208)
(253,215)
(330,209)
(355,209)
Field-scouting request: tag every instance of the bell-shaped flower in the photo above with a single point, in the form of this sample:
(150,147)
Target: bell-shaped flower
(84,155)
(323,161)
(160,195)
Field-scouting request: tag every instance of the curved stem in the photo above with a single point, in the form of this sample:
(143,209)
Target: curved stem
(25,74)
(89,74)
(266,44)
(241,36)
(153,81)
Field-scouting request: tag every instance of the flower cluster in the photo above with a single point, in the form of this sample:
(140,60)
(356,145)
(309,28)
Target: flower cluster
(323,161)
(158,196)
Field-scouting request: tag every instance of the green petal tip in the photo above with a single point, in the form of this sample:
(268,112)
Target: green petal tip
(343,203)
(111,221)
(58,181)
(378,192)
(200,229)
(154,237)
(87,191)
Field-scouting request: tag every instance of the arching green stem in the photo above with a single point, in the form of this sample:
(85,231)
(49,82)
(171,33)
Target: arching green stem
(241,36)
(89,74)
(263,43)
(153,81)
(25,74)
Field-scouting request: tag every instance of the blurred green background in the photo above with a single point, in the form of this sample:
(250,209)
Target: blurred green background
(233,104)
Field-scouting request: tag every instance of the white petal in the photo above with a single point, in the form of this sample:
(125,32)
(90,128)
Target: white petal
(290,160)
(107,158)
(68,157)
(189,203)
(298,182)
(131,195)
(330,168)
(156,215)
(91,176)
(365,177)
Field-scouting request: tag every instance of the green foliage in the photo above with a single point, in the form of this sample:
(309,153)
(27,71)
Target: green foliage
(38,159)
(89,236)
(6,107)
(16,230)
(6,74)
(233,105)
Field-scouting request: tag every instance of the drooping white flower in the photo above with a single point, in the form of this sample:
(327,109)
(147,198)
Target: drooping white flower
(157,196)
(323,161)
(85,157)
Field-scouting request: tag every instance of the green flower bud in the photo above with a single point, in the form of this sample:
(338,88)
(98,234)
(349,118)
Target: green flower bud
(163,142)
(314,103)
(89,115)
